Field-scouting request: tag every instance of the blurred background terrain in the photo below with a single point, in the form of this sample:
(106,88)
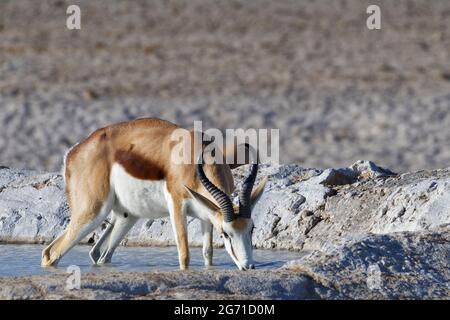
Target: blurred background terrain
(337,91)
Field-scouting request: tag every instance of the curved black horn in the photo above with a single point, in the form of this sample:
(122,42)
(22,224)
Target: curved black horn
(245,205)
(221,197)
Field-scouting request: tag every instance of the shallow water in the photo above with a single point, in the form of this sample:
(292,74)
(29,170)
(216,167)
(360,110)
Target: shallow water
(22,260)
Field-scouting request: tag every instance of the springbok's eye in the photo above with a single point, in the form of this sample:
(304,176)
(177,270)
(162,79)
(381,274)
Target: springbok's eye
(225,235)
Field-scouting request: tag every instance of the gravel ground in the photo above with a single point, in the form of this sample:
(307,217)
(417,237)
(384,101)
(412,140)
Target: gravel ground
(337,91)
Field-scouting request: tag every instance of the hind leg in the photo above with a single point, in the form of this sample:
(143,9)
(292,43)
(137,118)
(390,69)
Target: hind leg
(104,249)
(79,227)
(101,243)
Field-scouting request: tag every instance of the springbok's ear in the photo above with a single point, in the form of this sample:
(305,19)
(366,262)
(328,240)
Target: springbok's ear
(203,200)
(256,193)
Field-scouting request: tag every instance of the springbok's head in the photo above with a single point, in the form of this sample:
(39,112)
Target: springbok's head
(234,223)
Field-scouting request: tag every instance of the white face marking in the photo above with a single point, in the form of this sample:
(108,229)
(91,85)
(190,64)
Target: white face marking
(238,244)
(141,198)
(237,235)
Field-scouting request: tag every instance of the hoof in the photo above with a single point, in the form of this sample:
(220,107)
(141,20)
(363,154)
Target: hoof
(94,255)
(47,261)
(99,257)
(208,264)
(104,260)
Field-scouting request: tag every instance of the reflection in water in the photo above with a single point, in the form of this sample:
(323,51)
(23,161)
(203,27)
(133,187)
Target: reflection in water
(20,260)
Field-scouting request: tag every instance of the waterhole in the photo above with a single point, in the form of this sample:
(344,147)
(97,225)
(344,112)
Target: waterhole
(24,260)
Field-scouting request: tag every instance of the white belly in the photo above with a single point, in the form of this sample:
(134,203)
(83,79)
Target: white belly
(140,198)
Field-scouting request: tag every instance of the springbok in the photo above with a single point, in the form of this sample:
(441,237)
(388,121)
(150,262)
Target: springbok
(127,168)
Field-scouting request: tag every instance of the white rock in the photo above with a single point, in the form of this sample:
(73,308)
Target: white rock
(33,207)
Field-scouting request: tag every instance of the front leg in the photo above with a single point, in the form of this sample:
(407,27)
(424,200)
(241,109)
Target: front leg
(207,233)
(179,226)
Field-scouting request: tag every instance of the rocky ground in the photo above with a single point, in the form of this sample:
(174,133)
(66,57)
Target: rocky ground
(398,266)
(337,91)
(372,234)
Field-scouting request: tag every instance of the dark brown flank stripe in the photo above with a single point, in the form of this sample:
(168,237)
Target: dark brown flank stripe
(138,166)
